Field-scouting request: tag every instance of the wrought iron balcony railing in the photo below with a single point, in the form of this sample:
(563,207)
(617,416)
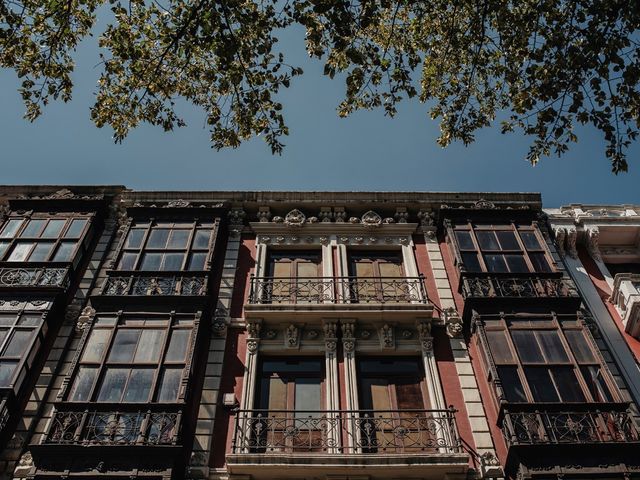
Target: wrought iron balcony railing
(34,277)
(337,290)
(517,287)
(346,432)
(156,284)
(568,427)
(97,426)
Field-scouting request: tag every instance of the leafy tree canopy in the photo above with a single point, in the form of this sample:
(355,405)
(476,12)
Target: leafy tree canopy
(549,64)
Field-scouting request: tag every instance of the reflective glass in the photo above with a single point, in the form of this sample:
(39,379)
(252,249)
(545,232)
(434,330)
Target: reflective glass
(499,346)
(96,345)
(10,229)
(487,240)
(196,262)
(30,319)
(33,228)
(20,251)
(53,228)
(124,345)
(139,385)
(567,384)
(158,238)
(596,383)
(75,228)
(173,261)
(530,240)
(18,343)
(169,384)
(552,346)
(127,262)
(178,239)
(507,239)
(308,394)
(113,385)
(6,372)
(495,263)
(527,347)
(81,388)
(134,239)
(178,346)
(539,262)
(471,262)
(41,252)
(201,239)
(516,263)
(464,240)
(151,261)
(3,248)
(579,346)
(541,385)
(149,346)
(63,254)
(511,384)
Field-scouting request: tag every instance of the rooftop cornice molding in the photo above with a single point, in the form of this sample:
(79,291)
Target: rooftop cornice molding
(320,228)
(593,214)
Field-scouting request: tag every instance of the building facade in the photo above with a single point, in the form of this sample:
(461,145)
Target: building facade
(304,335)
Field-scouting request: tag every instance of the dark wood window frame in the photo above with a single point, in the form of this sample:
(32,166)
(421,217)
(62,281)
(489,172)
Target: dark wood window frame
(137,251)
(473,256)
(112,323)
(495,356)
(9,240)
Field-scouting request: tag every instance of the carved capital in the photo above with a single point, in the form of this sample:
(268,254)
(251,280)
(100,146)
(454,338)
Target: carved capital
(560,234)
(427,218)
(572,236)
(4,212)
(348,335)
(387,338)
(85,319)
(264,214)
(253,335)
(424,335)
(292,336)
(236,220)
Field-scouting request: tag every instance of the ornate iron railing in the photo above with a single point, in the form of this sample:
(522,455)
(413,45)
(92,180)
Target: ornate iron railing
(346,432)
(524,287)
(156,284)
(562,427)
(34,277)
(112,427)
(341,290)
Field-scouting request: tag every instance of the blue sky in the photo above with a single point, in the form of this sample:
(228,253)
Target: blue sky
(364,152)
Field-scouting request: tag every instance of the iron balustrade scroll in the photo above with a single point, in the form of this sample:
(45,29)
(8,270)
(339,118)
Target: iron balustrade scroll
(156,284)
(114,427)
(337,290)
(569,427)
(34,277)
(346,432)
(524,287)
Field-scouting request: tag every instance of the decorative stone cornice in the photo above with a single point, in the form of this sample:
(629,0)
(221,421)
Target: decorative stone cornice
(593,234)
(387,337)
(560,234)
(572,237)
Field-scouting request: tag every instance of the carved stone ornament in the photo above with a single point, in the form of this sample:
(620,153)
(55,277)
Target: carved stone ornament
(348,336)
(85,319)
(278,219)
(325,214)
(4,211)
(424,334)
(264,214)
(386,336)
(453,322)
(339,215)
(484,204)
(401,215)
(330,338)
(354,220)
(572,236)
(63,194)
(427,219)
(295,218)
(324,240)
(292,336)
(220,322)
(371,219)
(253,331)
(593,236)
(25,464)
(177,204)
(237,216)
(560,234)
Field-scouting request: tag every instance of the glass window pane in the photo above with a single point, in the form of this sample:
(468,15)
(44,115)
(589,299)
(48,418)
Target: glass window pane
(158,238)
(10,228)
(41,252)
(527,347)
(124,345)
(516,263)
(596,383)
(113,385)
(134,238)
(511,384)
(96,345)
(53,228)
(178,345)
(33,228)
(75,228)
(63,254)
(169,384)
(81,388)
(149,346)
(105,320)
(552,346)
(201,239)
(151,261)
(20,251)
(530,240)
(541,385)
(127,261)
(464,240)
(30,319)
(172,261)
(178,239)
(508,240)
(567,384)
(471,262)
(8,319)
(307,394)
(487,240)
(139,385)
(196,262)
(3,334)
(579,346)
(499,346)
(274,393)
(3,248)
(6,372)
(495,263)
(539,262)
(18,343)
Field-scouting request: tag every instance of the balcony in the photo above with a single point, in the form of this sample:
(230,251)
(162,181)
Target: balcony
(626,298)
(34,277)
(394,443)
(391,295)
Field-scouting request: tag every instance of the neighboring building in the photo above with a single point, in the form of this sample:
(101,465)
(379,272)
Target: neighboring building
(301,335)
